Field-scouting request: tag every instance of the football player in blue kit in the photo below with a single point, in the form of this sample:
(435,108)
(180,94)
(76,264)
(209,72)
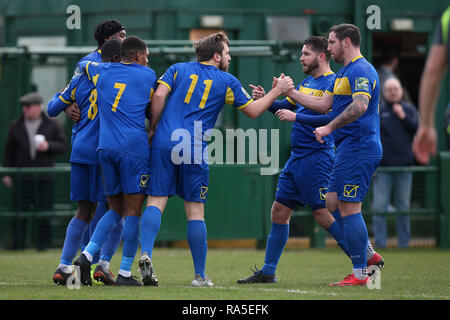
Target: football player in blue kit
(304,178)
(86,184)
(124,92)
(197,92)
(354,98)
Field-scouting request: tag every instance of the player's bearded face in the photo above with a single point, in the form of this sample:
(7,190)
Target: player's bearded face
(225,59)
(309,60)
(335,48)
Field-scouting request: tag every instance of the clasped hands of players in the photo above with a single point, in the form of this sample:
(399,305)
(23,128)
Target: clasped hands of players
(285,114)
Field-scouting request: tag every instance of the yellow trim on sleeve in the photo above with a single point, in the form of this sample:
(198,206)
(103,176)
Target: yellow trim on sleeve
(365,93)
(290,101)
(165,84)
(244,105)
(152,91)
(87,70)
(329,92)
(229,97)
(72,94)
(64,100)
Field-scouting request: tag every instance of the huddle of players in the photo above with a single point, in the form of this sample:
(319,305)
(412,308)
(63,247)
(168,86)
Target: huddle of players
(132,170)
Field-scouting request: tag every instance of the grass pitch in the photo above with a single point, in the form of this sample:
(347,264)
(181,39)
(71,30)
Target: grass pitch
(409,274)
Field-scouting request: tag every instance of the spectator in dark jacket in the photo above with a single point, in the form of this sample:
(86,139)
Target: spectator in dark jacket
(33,141)
(398,125)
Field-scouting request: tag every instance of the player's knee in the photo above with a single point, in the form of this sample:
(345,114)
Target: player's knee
(280,213)
(85,209)
(323,218)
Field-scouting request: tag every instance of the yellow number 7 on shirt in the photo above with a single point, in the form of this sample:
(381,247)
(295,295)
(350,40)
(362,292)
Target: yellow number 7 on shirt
(121,87)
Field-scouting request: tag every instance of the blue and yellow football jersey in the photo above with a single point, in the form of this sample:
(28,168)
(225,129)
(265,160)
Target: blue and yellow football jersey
(124,91)
(85,131)
(198,92)
(303,140)
(361,138)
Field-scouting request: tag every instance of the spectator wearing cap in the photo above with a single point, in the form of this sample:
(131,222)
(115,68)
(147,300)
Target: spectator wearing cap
(398,125)
(33,141)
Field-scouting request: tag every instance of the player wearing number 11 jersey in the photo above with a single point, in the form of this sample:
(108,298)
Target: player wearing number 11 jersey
(197,92)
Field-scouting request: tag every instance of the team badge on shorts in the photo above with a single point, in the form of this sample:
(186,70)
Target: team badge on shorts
(350,191)
(323,193)
(144,180)
(203,192)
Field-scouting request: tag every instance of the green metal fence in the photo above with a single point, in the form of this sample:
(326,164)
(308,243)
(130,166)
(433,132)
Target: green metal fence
(240,210)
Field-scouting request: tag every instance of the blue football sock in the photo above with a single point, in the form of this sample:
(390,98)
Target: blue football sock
(355,232)
(74,234)
(338,218)
(85,238)
(130,242)
(112,243)
(278,236)
(102,231)
(150,224)
(99,213)
(197,239)
(337,232)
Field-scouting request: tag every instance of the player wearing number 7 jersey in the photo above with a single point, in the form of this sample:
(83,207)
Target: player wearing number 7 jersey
(124,93)
(197,93)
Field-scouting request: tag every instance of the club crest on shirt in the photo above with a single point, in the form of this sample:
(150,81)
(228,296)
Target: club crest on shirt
(362,83)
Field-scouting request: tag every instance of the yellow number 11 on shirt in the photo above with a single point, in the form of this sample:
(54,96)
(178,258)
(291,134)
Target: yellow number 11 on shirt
(121,87)
(207,84)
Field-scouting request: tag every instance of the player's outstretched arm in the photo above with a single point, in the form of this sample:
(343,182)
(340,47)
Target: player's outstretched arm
(318,104)
(256,108)
(156,108)
(314,121)
(258,92)
(353,111)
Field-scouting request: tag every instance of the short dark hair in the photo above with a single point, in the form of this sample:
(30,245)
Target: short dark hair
(110,49)
(130,46)
(105,29)
(205,48)
(347,30)
(318,44)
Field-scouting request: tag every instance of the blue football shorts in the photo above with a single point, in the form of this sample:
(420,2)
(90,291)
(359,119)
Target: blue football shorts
(304,181)
(86,183)
(350,177)
(123,173)
(188,181)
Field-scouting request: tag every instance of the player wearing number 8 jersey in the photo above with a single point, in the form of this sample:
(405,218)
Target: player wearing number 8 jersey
(86,183)
(124,92)
(196,94)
